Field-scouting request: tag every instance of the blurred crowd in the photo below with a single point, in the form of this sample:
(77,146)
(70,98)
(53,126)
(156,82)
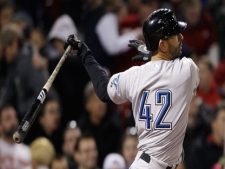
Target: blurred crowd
(74,129)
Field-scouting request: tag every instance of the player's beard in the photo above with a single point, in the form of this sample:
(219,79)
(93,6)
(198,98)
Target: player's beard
(175,52)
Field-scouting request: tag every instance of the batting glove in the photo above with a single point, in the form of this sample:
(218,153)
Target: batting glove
(78,48)
(75,44)
(143,53)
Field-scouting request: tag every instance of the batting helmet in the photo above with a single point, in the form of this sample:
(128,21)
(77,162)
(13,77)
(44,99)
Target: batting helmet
(161,24)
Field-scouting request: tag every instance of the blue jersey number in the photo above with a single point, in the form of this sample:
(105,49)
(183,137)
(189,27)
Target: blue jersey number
(163,98)
(145,111)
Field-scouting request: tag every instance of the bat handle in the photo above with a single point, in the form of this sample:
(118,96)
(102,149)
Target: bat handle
(48,84)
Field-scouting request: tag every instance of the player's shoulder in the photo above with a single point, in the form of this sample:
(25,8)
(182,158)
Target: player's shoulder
(132,69)
(187,62)
(132,73)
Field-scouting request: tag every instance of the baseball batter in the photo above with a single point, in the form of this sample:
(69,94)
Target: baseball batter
(160,90)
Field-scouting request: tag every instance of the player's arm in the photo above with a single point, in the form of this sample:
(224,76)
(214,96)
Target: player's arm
(98,76)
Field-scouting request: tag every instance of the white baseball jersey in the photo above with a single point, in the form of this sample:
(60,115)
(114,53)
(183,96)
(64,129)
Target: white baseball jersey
(160,93)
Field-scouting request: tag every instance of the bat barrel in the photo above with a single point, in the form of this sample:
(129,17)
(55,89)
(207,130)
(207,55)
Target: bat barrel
(29,118)
(17,138)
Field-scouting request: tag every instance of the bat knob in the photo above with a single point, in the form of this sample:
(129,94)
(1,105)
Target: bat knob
(17,138)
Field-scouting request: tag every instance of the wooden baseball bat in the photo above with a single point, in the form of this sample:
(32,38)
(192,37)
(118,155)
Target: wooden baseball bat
(32,113)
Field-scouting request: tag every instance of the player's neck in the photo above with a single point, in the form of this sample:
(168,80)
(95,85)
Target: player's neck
(160,56)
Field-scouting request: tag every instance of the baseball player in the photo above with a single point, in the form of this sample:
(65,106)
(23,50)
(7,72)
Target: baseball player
(160,90)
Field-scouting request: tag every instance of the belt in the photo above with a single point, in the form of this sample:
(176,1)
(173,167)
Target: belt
(147,159)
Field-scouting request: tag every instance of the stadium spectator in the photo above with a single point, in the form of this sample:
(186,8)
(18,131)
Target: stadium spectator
(24,22)
(6,14)
(217,9)
(207,88)
(48,124)
(71,134)
(198,21)
(181,166)
(59,162)
(129,146)
(220,164)
(38,44)
(58,34)
(86,153)
(198,125)
(219,76)
(0,131)
(68,83)
(42,153)
(114,161)
(212,146)
(12,155)
(102,124)
(23,82)
(101,32)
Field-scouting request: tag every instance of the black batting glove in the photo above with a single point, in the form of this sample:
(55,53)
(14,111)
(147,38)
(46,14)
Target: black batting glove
(143,53)
(73,42)
(78,48)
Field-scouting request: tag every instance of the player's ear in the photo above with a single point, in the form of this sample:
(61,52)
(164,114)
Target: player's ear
(163,46)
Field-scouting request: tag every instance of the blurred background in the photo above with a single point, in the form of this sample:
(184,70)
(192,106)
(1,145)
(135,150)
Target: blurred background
(74,128)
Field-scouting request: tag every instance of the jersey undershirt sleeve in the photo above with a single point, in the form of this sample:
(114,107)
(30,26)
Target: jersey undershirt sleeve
(97,74)
(114,89)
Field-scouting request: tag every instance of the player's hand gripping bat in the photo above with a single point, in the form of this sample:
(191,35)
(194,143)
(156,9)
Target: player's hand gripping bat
(32,113)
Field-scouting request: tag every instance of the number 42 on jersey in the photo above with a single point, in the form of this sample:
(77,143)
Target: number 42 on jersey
(163,99)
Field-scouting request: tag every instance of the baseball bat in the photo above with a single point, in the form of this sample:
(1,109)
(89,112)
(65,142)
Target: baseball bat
(32,113)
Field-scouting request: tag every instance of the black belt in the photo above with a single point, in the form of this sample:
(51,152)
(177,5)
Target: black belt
(147,159)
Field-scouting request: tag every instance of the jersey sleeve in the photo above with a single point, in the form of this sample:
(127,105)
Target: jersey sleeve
(119,86)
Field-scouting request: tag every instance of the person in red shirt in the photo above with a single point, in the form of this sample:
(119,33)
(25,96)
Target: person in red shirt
(138,11)
(207,89)
(219,76)
(200,34)
(207,150)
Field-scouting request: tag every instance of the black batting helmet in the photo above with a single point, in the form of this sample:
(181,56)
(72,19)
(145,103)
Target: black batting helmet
(161,24)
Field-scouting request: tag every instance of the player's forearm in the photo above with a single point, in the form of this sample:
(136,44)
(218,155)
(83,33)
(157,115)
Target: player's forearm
(98,76)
